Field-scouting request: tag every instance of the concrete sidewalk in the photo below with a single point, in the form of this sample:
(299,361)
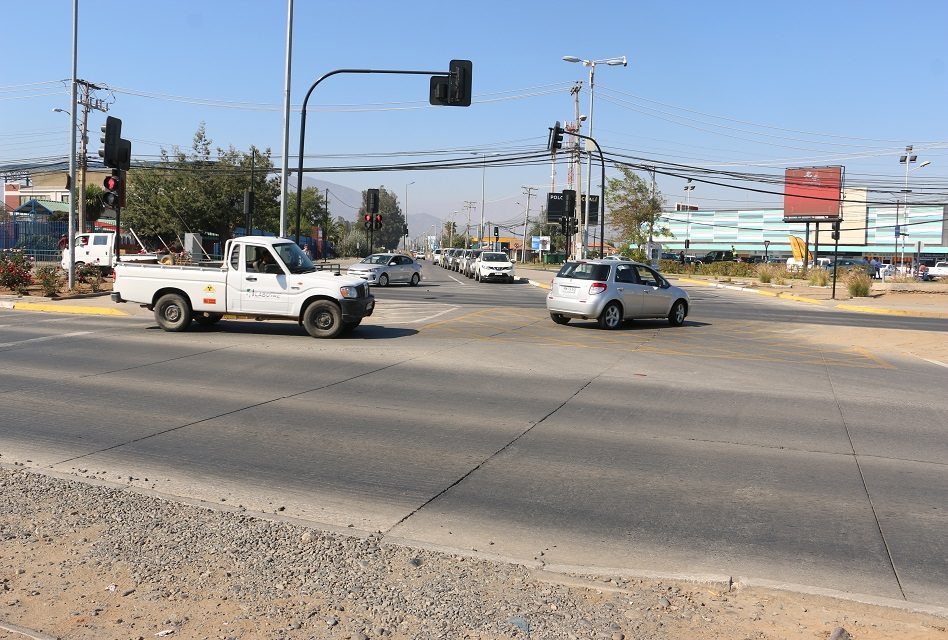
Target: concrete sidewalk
(918,304)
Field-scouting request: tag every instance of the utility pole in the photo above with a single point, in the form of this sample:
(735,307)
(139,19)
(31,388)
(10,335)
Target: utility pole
(469,205)
(87,102)
(526,222)
(577,158)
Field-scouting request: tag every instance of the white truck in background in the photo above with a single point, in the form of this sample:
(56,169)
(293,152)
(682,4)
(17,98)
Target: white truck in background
(261,277)
(99,249)
(940,270)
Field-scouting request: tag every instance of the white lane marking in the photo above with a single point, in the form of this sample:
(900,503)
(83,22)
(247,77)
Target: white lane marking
(37,322)
(458,281)
(440,313)
(45,338)
(940,364)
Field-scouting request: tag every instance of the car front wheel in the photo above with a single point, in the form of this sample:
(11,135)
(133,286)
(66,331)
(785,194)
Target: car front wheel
(383,280)
(611,316)
(414,280)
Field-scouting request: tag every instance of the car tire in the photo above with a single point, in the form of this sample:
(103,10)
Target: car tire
(611,316)
(676,317)
(414,280)
(559,318)
(477,277)
(323,319)
(206,318)
(172,312)
(383,280)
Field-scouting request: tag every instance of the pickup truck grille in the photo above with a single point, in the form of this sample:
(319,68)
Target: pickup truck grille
(363,290)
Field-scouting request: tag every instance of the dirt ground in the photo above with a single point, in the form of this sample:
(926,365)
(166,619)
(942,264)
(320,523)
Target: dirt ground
(53,580)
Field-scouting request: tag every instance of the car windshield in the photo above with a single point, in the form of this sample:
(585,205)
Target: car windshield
(377,258)
(294,258)
(584,271)
(494,257)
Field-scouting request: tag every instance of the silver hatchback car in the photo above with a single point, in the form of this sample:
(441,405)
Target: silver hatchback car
(611,291)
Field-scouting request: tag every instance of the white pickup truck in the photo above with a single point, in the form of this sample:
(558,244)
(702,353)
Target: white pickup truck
(940,270)
(261,277)
(99,249)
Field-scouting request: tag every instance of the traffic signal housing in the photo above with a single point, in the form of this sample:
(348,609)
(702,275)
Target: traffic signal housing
(372,200)
(368,220)
(836,230)
(573,226)
(114,186)
(555,142)
(454,89)
(378,220)
(111,134)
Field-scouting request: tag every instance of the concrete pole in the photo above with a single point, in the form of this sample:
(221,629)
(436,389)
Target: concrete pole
(71,276)
(526,222)
(284,165)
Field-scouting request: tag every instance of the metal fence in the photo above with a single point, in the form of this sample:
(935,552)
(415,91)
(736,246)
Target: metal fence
(36,239)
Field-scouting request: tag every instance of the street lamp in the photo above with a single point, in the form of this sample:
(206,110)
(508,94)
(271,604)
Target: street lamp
(406,213)
(480,229)
(688,189)
(618,61)
(907,160)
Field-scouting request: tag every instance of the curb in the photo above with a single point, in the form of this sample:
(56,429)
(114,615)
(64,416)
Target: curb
(843,306)
(539,284)
(58,308)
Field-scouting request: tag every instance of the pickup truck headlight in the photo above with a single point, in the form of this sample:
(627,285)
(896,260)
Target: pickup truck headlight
(349,292)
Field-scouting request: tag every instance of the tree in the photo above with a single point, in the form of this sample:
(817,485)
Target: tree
(635,208)
(393,221)
(194,191)
(313,206)
(94,205)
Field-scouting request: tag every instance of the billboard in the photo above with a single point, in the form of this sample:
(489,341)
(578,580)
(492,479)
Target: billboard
(559,205)
(812,192)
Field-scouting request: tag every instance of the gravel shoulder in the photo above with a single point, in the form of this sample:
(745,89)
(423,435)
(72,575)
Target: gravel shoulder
(92,560)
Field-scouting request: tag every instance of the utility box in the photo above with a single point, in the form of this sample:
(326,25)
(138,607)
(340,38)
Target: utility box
(192,244)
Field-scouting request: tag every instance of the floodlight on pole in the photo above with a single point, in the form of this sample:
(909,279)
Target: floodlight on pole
(612,62)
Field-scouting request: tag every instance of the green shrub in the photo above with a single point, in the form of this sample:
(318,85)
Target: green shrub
(733,269)
(50,279)
(858,282)
(818,277)
(767,272)
(15,269)
(91,275)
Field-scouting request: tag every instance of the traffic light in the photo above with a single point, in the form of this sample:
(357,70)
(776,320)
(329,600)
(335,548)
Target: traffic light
(368,220)
(836,230)
(405,230)
(111,133)
(378,220)
(556,137)
(372,200)
(454,89)
(564,225)
(114,190)
(573,226)
(687,243)
(496,232)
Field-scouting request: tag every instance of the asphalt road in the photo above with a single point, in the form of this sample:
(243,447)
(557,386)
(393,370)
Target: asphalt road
(459,415)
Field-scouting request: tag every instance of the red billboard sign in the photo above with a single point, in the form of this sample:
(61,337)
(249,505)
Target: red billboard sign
(812,192)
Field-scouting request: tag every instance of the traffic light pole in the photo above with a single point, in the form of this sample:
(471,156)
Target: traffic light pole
(299,174)
(602,194)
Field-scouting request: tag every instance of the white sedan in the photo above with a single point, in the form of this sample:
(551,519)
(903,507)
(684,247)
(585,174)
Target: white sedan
(385,268)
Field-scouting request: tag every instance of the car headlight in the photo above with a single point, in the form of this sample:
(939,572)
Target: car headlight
(349,292)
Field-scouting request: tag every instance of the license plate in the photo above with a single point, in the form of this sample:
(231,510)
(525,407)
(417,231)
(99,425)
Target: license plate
(568,292)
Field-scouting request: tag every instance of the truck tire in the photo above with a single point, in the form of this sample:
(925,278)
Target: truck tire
(172,312)
(207,319)
(323,319)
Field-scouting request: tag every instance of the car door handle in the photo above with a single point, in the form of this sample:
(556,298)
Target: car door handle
(619,289)
(252,279)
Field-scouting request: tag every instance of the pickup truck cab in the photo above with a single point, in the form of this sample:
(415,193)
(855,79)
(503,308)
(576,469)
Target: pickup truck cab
(261,277)
(940,270)
(99,249)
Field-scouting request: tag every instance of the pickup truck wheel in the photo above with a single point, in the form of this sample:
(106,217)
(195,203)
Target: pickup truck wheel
(207,318)
(611,316)
(323,319)
(414,280)
(383,280)
(676,317)
(172,312)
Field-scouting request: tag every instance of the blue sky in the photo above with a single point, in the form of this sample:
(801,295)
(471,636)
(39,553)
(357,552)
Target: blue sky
(750,86)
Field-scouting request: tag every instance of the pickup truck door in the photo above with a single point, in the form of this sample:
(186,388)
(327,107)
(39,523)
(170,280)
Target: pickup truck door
(259,282)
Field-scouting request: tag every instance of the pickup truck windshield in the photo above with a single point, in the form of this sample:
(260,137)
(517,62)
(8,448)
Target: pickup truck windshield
(294,258)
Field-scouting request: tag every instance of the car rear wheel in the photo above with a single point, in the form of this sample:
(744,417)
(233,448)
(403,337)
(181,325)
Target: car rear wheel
(676,317)
(559,318)
(611,316)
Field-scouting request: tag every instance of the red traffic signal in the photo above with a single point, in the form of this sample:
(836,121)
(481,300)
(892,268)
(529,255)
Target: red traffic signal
(367,221)
(378,220)
(114,191)
(111,183)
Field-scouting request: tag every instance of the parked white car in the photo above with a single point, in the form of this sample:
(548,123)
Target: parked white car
(493,265)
